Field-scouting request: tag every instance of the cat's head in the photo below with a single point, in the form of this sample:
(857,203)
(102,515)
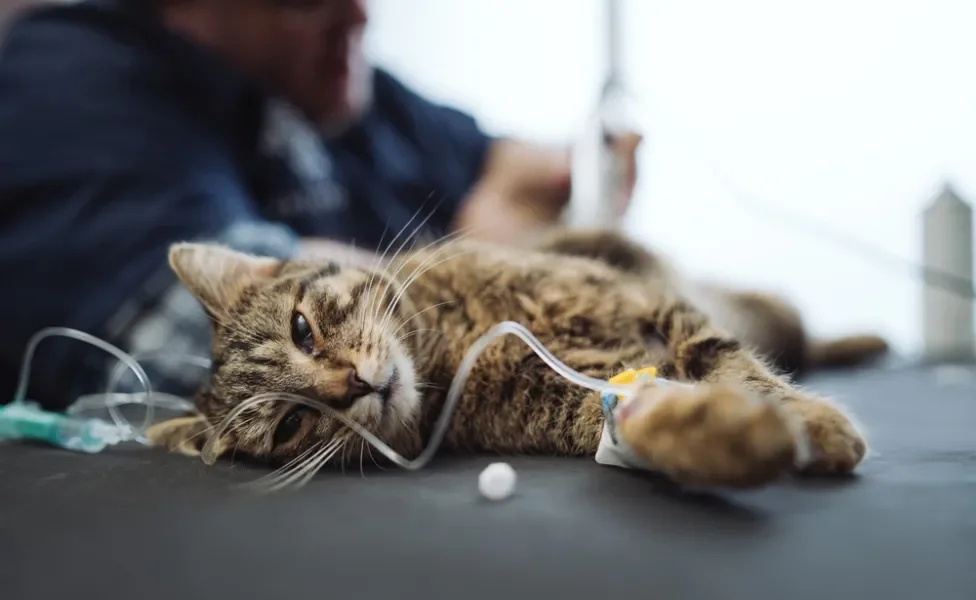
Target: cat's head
(315,329)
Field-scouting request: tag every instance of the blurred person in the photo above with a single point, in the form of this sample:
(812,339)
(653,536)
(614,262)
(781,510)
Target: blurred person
(127,125)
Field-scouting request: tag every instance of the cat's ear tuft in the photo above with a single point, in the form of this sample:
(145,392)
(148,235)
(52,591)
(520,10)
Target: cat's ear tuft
(215,274)
(183,435)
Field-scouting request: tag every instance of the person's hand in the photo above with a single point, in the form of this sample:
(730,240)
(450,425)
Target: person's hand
(526,188)
(625,147)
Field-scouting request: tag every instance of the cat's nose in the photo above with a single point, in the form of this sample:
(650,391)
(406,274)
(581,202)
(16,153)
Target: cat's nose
(356,387)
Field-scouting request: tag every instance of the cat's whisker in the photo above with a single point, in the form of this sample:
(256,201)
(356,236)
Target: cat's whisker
(439,243)
(423,385)
(311,464)
(419,272)
(343,444)
(369,450)
(283,470)
(362,448)
(305,473)
(342,458)
(414,332)
(234,326)
(315,468)
(407,224)
(402,422)
(409,238)
(445,240)
(236,426)
(420,312)
(402,288)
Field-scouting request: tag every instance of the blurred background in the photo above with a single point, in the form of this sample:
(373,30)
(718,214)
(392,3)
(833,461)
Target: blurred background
(845,114)
(764,122)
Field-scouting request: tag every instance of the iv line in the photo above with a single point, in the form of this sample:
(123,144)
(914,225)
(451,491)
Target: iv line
(209,453)
(22,419)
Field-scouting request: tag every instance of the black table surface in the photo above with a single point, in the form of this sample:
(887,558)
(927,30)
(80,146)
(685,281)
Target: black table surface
(136,523)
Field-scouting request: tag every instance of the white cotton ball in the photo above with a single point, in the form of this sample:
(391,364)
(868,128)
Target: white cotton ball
(497,481)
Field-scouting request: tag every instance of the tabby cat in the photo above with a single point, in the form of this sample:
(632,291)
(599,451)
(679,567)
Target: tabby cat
(384,344)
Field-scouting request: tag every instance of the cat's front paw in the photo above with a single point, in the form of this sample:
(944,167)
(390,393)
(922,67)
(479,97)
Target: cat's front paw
(710,435)
(836,445)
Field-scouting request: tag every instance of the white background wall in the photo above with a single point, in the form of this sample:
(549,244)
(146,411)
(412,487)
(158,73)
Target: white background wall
(848,112)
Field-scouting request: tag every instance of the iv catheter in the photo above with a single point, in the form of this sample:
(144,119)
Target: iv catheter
(22,419)
(26,420)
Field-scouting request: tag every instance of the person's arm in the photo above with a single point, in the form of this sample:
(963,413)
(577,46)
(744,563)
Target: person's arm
(525,188)
(487,186)
(522,187)
(501,188)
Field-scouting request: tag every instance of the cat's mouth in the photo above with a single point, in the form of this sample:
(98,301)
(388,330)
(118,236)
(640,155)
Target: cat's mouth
(386,391)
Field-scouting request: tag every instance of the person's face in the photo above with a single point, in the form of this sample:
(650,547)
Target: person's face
(321,65)
(310,52)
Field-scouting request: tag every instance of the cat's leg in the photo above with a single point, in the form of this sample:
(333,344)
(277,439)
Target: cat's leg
(730,381)
(765,323)
(702,352)
(709,434)
(773,327)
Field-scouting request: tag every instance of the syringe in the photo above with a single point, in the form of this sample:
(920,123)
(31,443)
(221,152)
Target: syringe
(28,421)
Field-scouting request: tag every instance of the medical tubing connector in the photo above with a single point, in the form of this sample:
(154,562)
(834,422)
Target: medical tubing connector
(85,427)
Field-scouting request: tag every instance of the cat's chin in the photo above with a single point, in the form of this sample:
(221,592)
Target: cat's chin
(402,400)
(394,405)
(400,407)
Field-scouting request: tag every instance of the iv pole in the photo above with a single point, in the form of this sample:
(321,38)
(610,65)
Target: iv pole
(613,41)
(596,174)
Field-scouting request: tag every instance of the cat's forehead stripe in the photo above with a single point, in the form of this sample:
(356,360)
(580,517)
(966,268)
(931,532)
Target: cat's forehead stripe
(340,286)
(335,309)
(309,279)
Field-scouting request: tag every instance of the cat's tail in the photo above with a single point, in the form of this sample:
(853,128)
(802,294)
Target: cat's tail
(845,352)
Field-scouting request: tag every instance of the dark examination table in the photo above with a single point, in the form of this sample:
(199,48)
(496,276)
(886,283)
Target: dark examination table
(143,525)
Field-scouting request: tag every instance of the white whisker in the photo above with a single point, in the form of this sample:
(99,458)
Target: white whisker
(283,471)
(420,312)
(391,277)
(313,464)
(362,448)
(416,275)
(405,241)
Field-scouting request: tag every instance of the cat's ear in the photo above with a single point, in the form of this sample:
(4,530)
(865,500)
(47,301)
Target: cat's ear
(184,435)
(215,274)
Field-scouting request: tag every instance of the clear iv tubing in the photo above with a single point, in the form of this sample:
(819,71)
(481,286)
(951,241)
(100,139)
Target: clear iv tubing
(20,397)
(110,400)
(209,453)
(151,399)
(159,400)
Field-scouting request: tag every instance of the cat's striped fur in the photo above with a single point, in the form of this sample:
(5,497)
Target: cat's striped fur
(384,345)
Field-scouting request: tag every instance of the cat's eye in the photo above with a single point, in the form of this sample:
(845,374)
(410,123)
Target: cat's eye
(289,425)
(301,333)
